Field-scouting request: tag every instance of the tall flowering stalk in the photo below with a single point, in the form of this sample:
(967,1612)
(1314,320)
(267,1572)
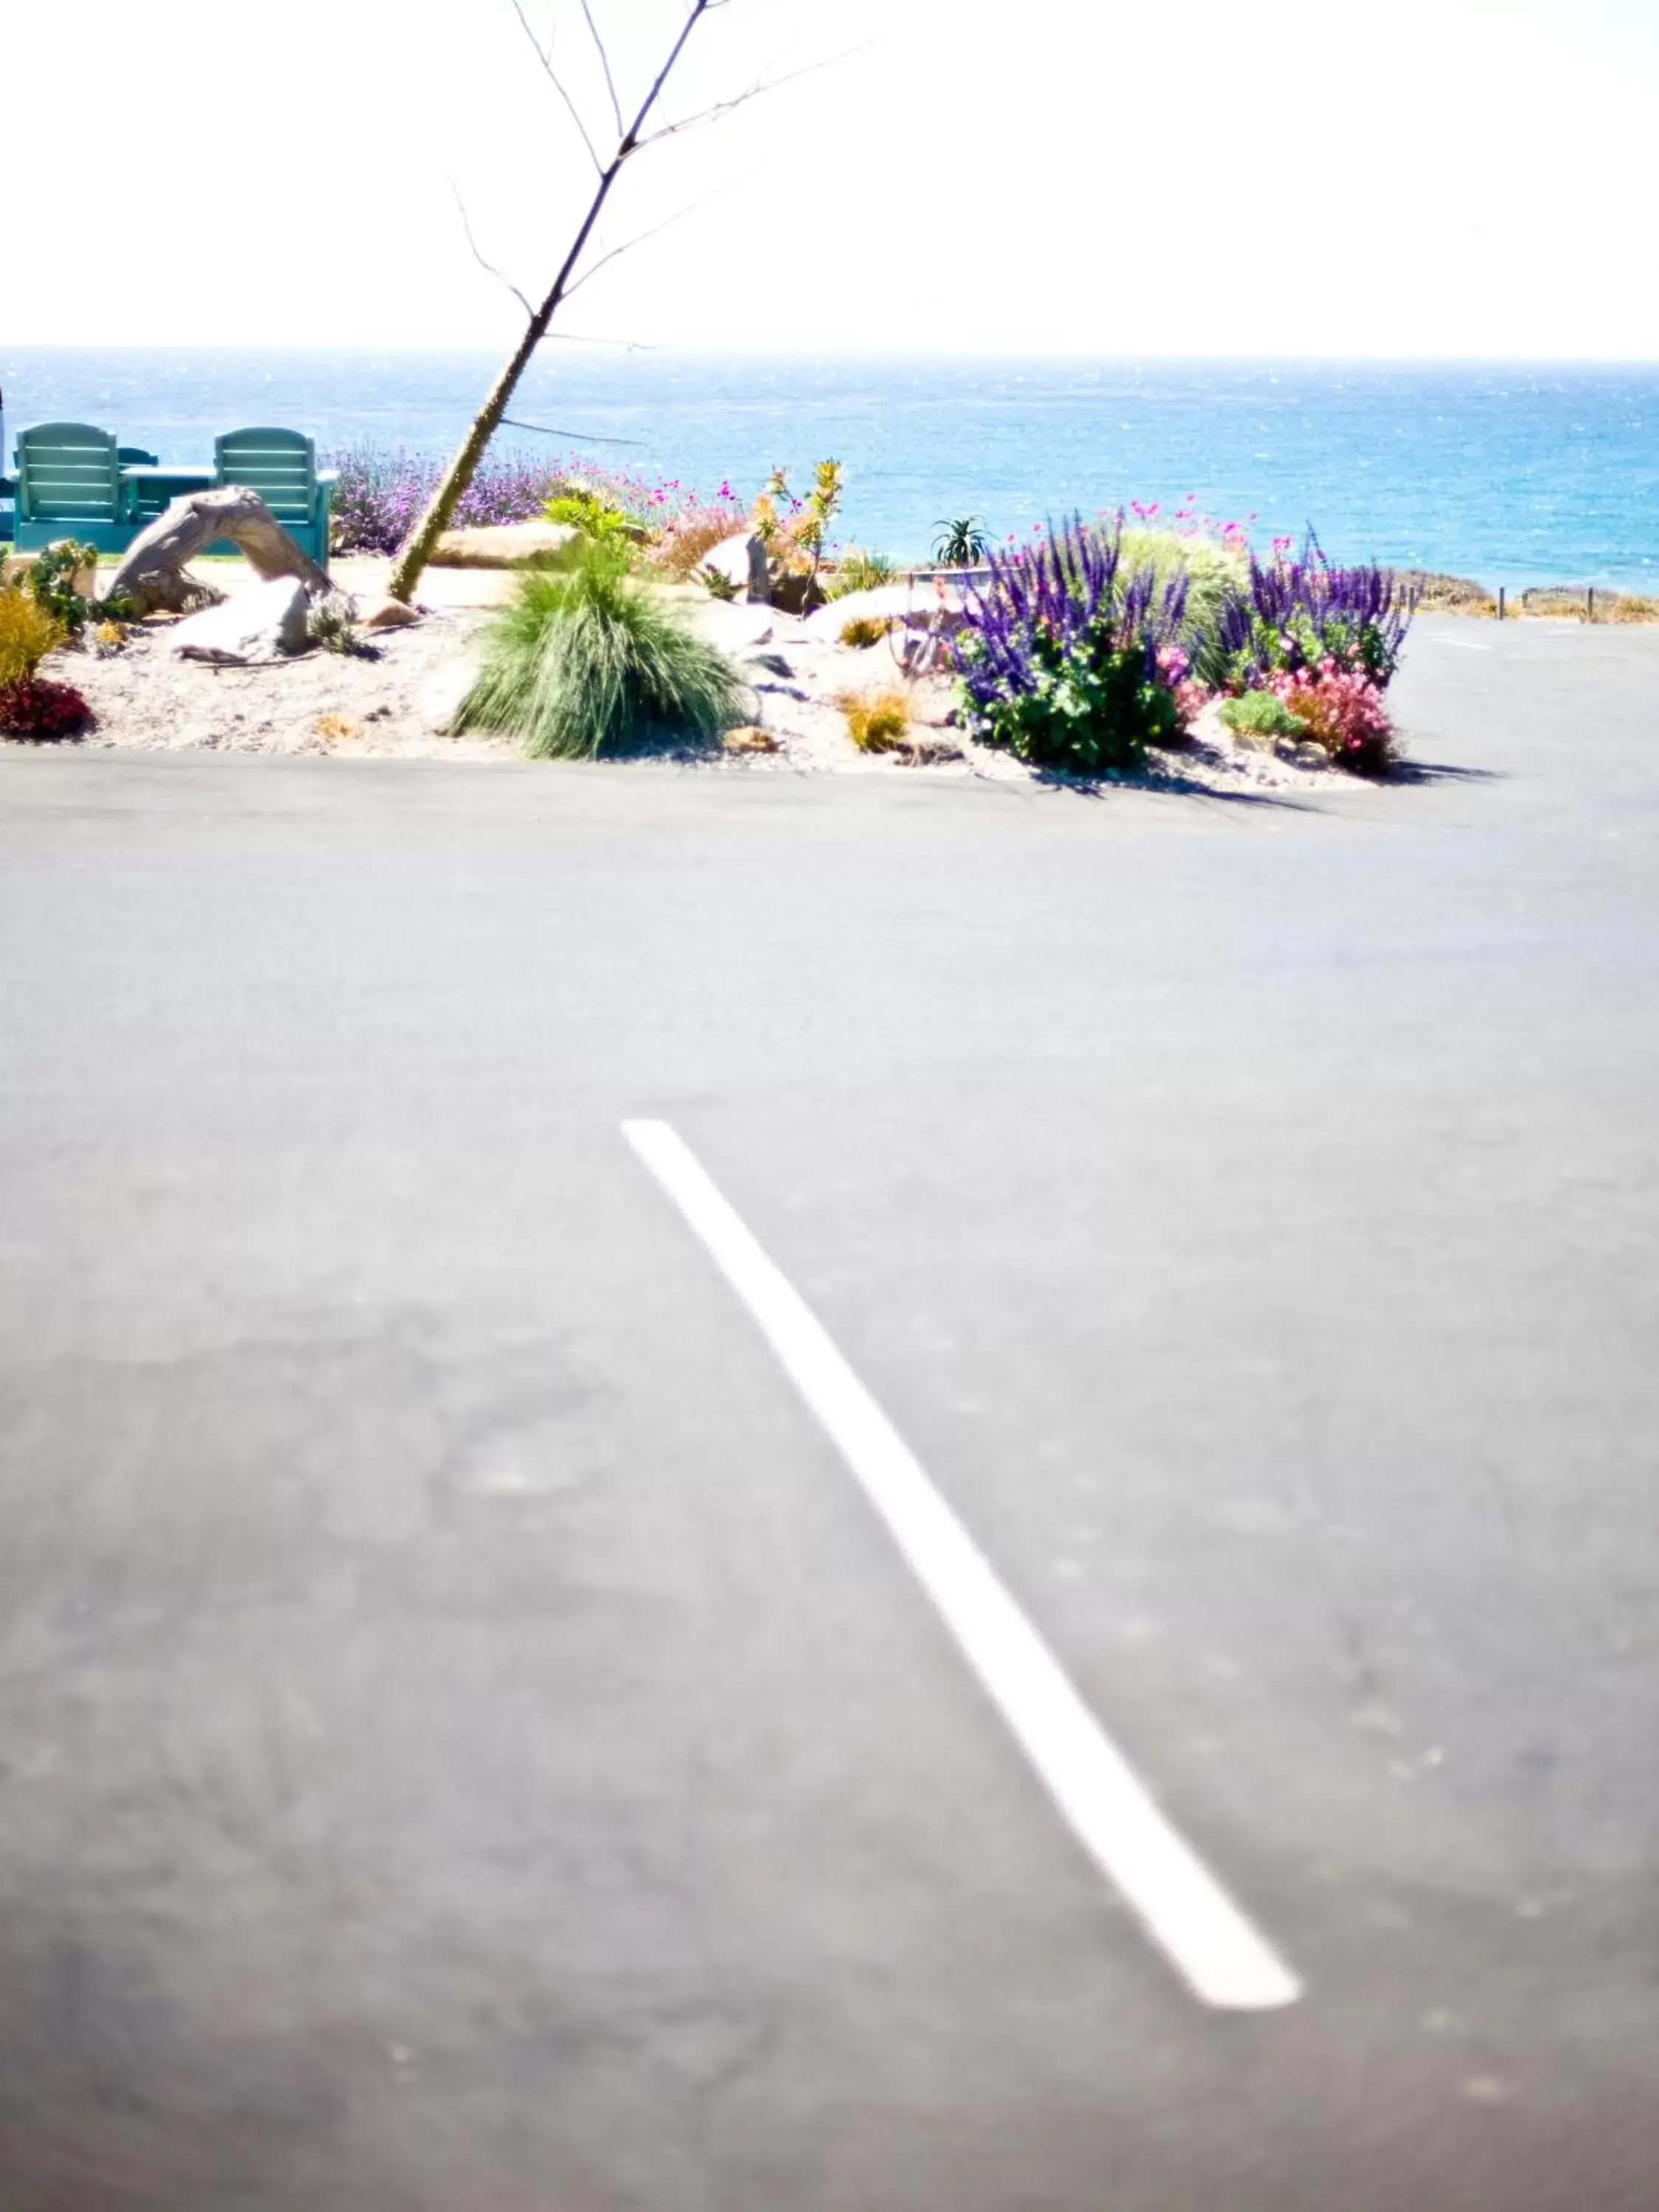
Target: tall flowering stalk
(1069,659)
(1303,613)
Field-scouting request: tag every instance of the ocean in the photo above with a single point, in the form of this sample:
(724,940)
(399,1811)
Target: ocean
(1514,473)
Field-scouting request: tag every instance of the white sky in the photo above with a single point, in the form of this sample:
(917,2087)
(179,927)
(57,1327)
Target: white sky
(1297,177)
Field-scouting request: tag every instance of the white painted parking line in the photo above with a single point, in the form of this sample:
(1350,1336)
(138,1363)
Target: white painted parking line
(1186,1912)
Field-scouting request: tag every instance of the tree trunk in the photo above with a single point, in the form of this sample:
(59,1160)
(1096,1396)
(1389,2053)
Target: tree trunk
(418,548)
(152,575)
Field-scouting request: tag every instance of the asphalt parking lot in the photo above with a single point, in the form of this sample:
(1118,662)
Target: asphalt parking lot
(536,1651)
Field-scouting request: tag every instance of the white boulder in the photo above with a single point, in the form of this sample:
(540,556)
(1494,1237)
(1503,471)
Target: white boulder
(915,605)
(265,624)
(742,561)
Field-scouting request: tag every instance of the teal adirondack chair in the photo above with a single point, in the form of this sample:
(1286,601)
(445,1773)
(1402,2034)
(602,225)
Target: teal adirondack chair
(68,485)
(281,465)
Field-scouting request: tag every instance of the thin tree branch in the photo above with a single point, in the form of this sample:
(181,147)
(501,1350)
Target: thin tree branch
(604,63)
(627,244)
(544,57)
(581,437)
(488,266)
(756,91)
(578,338)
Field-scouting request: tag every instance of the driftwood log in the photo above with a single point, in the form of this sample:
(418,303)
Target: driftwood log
(152,575)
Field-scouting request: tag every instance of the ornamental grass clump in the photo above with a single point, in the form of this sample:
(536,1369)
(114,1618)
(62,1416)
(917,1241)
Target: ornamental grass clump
(877,723)
(859,570)
(588,660)
(1216,571)
(1071,659)
(28,632)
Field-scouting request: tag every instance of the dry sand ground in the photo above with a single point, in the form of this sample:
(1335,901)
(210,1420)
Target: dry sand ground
(398,698)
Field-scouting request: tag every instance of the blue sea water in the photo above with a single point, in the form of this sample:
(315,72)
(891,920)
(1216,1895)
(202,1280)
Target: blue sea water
(1511,472)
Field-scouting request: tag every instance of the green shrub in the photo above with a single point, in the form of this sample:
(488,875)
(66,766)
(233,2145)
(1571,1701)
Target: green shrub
(51,583)
(865,630)
(27,635)
(594,517)
(1261,715)
(589,660)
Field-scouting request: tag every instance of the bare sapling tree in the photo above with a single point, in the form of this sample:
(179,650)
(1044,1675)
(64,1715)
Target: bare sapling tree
(632,138)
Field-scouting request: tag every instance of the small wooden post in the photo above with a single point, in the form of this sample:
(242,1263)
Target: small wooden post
(1590,603)
(1500,603)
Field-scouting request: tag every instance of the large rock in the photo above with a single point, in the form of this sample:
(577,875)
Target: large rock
(913,605)
(505,545)
(796,594)
(731,625)
(387,614)
(265,624)
(742,561)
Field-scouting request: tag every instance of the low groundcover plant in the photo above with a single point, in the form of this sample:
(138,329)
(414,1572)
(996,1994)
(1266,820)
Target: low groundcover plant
(1260,714)
(40,711)
(1341,709)
(588,660)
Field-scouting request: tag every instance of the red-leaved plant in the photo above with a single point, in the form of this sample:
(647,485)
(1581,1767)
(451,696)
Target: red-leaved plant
(36,708)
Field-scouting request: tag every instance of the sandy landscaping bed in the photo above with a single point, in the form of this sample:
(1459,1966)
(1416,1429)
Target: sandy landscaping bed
(397,698)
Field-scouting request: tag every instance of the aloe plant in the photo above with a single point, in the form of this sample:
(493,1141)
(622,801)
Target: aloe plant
(961,543)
